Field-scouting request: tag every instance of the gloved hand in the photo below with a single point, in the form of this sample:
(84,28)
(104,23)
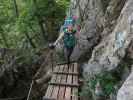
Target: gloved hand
(51,46)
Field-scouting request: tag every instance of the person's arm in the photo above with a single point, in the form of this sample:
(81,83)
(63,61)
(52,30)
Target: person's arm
(59,38)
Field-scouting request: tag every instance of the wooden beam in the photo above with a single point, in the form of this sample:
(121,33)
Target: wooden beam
(46,98)
(66,73)
(63,63)
(64,84)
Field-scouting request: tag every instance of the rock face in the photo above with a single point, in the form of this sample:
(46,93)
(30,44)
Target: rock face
(98,19)
(88,11)
(113,48)
(105,29)
(125,93)
(107,33)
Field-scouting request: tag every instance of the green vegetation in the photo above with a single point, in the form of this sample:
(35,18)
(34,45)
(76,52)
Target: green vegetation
(26,27)
(107,81)
(30,23)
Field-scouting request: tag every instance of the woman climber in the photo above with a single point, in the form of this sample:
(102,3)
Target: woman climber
(68,36)
(69,41)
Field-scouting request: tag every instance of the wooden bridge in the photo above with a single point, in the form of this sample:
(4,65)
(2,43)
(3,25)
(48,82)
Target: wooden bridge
(64,83)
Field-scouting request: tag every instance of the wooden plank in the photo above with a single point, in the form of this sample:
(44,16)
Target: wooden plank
(45,98)
(55,92)
(64,63)
(61,68)
(55,89)
(66,73)
(66,68)
(49,91)
(54,75)
(70,69)
(68,93)
(75,67)
(56,68)
(62,88)
(72,81)
(75,90)
(69,79)
(59,77)
(64,84)
(58,80)
(68,89)
(74,93)
(53,78)
(75,79)
(50,87)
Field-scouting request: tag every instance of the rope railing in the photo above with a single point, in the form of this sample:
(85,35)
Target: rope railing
(49,55)
(31,85)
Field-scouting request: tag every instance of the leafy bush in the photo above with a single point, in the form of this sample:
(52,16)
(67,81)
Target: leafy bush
(107,81)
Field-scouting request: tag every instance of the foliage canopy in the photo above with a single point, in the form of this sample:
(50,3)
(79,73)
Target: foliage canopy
(30,23)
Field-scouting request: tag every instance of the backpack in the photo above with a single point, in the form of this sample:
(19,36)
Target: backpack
(69,40)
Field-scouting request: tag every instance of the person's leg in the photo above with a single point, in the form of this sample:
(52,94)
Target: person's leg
(68,52)
(67,55)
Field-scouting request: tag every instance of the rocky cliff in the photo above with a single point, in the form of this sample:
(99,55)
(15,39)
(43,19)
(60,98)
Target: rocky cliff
(106,38)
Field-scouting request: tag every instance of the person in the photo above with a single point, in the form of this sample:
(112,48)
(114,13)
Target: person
(69,41)
(70,27)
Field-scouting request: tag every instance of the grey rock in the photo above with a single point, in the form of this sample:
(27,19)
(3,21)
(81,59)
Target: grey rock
(108,54)
(125,92)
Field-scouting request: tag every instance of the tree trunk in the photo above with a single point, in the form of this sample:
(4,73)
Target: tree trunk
(16,8)
(30,40)
(42,29)
(40,22)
